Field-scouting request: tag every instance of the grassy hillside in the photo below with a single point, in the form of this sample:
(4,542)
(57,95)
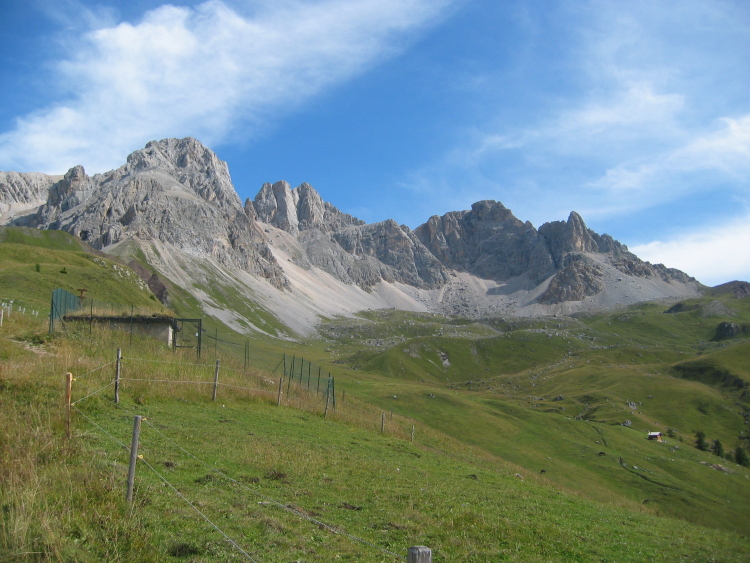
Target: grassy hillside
(34,263)
(531,433)
(283,483)
(553,394)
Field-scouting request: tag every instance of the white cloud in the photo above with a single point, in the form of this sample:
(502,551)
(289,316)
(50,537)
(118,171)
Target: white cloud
(627,115)
(207,71)
(713,256)
(724,152)
(650,108)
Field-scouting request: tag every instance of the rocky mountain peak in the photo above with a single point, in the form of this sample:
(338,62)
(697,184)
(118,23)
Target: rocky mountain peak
(73,189)
(490,210)
(75,176)
(190,163)
(173,192)
(175,196)
(23,192)
(488,241)
(563,237)
(298,209)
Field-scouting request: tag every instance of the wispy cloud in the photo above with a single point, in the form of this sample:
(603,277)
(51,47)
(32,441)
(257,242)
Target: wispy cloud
(208,71)
(713,256)
(648,110)
(724,151)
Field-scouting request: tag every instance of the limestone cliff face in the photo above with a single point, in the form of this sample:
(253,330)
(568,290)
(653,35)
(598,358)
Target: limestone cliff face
(175,191)
(298,209)
(24,190)
(487,241)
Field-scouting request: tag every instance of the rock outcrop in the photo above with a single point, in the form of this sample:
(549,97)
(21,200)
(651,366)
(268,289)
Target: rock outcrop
(729,330)
(177,195)
(174,191)
(489,242)
(22,191)
(298,209)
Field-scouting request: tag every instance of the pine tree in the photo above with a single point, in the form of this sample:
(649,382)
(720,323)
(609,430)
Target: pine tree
(741,458)
(700,441)
(717,448)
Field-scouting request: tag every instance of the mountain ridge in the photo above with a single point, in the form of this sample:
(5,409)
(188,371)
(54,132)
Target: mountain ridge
(174,200)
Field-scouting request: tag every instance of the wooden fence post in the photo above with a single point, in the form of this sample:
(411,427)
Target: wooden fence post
(328,397)
(133,456)
(216,380)
(2,313)
(68,394)
(412,432)
(419,554)
(382,423)
(117,376)
(281,386)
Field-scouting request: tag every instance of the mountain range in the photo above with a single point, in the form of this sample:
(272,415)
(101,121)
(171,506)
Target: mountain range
(172,210)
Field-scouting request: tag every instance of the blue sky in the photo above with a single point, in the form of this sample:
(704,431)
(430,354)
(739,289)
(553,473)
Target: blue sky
(635,114)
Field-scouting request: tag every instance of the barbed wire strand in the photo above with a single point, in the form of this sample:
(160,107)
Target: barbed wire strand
(165,381)
(230,540)
(94,393)
(208,365)
(179,494)
(267,498)
(235,369)
(96,369)
(206,335)
(100,428)
(220,384)
(166,362)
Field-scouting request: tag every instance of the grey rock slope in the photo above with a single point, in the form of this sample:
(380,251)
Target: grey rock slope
(173,191)
(20,192)
(175,201)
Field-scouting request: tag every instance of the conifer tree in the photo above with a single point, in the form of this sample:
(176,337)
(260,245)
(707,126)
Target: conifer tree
(741,457)
(700,441)
(717,448)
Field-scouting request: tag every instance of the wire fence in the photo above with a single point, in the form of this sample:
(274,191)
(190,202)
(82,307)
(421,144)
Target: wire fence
(131,363)
(295,383)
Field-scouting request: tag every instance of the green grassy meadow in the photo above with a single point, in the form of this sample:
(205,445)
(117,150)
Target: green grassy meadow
(519,450)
